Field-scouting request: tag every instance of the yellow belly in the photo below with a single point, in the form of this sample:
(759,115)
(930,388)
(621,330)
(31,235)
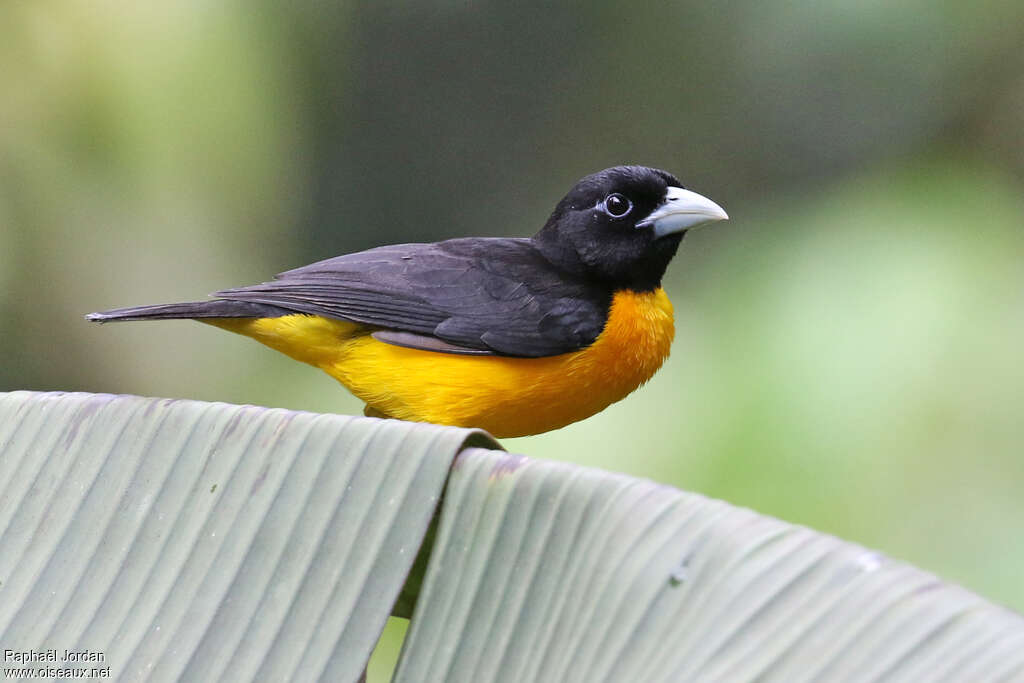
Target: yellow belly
(505,396)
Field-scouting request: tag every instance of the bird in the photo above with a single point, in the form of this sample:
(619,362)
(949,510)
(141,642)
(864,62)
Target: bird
(515,336)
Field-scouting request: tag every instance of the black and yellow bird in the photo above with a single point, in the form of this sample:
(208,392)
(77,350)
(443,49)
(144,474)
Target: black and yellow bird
(514,335)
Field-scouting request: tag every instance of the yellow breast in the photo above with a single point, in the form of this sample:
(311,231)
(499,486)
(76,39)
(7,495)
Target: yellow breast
(506,396)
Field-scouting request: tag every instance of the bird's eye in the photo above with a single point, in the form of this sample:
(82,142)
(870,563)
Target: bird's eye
(616,205)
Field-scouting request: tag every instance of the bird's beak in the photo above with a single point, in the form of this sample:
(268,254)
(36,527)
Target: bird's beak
(681,211)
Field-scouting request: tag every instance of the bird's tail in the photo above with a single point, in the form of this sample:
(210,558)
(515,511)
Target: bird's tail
(215,308)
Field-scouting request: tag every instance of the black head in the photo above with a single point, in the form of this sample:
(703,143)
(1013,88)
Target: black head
(623,225)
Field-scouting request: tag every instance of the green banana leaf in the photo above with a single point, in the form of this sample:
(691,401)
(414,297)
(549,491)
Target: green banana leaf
(545,571)
(201,542)
(204,542)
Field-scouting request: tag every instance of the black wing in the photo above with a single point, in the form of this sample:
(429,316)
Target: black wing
(489,294)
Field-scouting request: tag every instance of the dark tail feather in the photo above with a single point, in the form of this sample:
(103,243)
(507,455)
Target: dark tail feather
(216,308)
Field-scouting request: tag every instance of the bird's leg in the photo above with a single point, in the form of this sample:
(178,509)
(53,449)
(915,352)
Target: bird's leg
(370,411)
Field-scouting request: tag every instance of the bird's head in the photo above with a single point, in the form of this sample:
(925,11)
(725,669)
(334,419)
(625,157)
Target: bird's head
(623,225)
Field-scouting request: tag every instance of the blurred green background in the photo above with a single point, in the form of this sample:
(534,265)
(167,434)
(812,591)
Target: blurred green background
(849,345)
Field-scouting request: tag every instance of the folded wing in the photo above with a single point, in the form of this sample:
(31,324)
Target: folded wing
(486,294)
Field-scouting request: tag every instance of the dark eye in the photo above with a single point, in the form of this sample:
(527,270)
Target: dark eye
(617,206)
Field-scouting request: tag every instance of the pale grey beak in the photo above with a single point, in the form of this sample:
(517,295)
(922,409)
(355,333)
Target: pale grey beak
(680,211)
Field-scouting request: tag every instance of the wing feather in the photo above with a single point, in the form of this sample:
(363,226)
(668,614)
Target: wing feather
(487,294)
